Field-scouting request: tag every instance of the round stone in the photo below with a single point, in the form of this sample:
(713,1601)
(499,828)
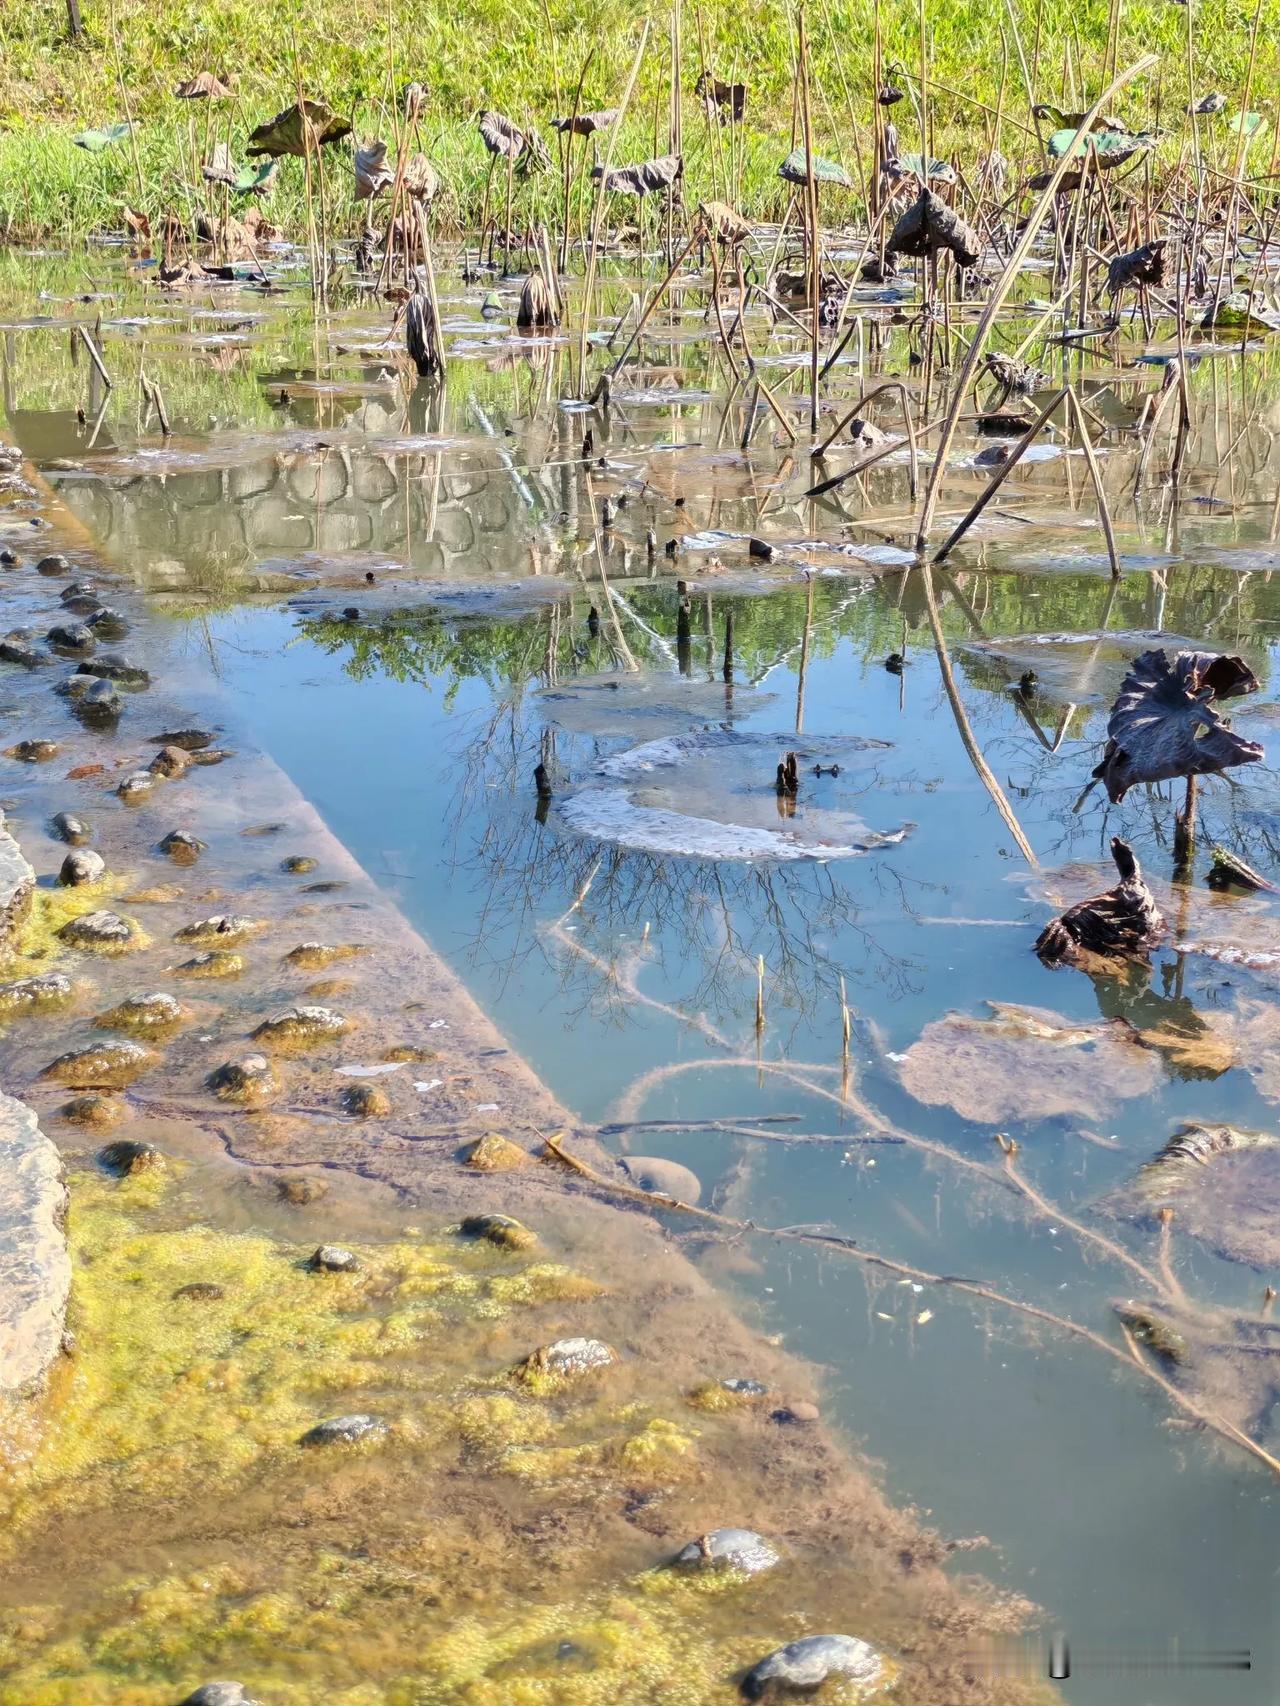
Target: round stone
(107,624)
(740,1549)
(298,865)
(218,962)
(798,1414)
(170,761)
(190,740)
(181,847)
(101,932)
(141,1013)
(333,1259)
(137,786)
(344,1430)
(94,1112)
(35,994)
(366,1101)
(300,1025)
(54,564)
(218,1694)
(74,830)
(247,1080)
(662,1177)
(808,1663)
(81,867)
(499,1229)
(568,1357)
(99,704)
(34,751)
(223,929)
(105,1066)
(71,639)
(128,1156)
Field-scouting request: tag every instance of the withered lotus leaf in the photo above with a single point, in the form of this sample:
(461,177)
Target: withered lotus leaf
(1163,724)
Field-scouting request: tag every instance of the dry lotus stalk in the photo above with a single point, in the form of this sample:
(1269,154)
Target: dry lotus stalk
(929,226)
(643,178)
(1163,725)
(204,86)
(586,124)
(372,173)
(1138,269)
(536,311)
(1123,921)
(219,168)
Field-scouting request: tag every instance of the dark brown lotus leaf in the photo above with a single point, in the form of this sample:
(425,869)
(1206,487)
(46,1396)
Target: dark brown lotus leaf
(372,172)
(537,310)
(1223,1185)
(1019,378)
(586,124)
(728,100)
(1163,724)
(889,96)
(929,226)
(204,86)
(643,178)
(500,136)
(285,133)
(721,219)
(1123,921)
(1139,268)
(421,334)
(1025,1064)
(421,180)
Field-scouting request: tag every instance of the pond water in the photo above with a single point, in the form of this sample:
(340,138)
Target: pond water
(498,625)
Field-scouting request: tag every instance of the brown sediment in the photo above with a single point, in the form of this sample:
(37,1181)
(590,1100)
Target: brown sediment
(498,1541)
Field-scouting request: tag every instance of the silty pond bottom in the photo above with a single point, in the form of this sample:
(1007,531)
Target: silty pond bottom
(411,601)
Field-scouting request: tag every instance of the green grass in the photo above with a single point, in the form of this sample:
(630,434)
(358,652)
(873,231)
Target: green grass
(502,53)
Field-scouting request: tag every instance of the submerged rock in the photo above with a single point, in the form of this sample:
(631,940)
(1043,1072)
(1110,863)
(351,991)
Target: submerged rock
(190,740)
(19,651)
(298,865)
(112,667)
(740,1549)
(34,751)
(218,1694)
(99,704)
(54,564)
(141,1013)
(300,1025)
(315,956)
(247,1080)
(42,994)
(333,1259)
(344,1430)
(219,962)
(71,829)
(100,932)
(71,639)
(298,1189)
(223,929)
(201,1291)
(81,867)
(103,1066)
(128,1156)
(170,761)
(181,847)
(137,786)
(366,1101)
(566,1358)
(662,1177)
(808,1663)
(494,1153)
(499,1229)
(95,1112)
(106,624)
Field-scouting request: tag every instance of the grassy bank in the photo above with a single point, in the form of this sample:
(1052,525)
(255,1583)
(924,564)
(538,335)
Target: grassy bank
(526,60)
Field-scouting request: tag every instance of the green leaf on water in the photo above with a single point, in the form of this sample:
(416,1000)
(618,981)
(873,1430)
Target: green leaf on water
(1112,147)
(1246,124)
(94,141)
(256,180)
(795,170)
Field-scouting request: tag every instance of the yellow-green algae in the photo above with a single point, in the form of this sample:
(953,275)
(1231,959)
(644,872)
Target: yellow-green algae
(37,939)
(164,1393)
(169,1395)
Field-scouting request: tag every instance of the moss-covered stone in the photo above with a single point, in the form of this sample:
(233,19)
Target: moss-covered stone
(494,1153)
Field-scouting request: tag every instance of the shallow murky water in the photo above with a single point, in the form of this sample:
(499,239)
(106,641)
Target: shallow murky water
(497,625)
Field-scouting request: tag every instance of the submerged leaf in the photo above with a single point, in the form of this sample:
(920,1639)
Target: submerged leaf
(95,141)
(929,226)
(795,170)
(1026,1064)
(642,178)
(1163,725)
(1125,920)
(285,133)
(1223,1185)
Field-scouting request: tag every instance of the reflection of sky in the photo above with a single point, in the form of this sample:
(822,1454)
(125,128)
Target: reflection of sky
(1071,1470)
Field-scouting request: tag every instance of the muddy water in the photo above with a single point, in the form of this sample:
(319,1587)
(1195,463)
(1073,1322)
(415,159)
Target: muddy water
(502,626)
